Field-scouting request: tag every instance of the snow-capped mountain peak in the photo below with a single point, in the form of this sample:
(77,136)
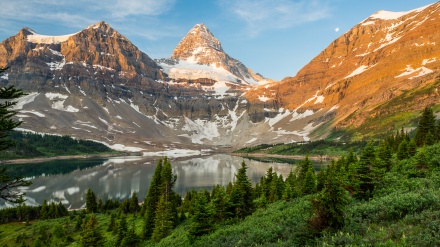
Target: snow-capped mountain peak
(199,51)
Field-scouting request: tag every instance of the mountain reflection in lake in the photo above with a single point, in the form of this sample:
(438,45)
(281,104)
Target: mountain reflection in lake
(118,178)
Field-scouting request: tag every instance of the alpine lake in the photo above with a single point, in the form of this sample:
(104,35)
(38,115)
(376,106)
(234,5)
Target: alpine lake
(118,177)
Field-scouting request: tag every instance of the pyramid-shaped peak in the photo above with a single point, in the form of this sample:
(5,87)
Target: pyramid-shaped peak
(102,25)
(198,39)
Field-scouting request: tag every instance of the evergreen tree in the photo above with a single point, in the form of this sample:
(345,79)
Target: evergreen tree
(90,236)
(134,203)
(151,201)
(429,139)
(44,210)
(309,183)
(242,194)
(412,148)
(201,221)
(288,192)
(164,222)
(91,205)
(220,203)
(99,206)
(112,225)
(384,154)
(130,239)
(364,172)
(351,159)
(426,124)
(402,151)
(9,185)
(122,230)
(329,206)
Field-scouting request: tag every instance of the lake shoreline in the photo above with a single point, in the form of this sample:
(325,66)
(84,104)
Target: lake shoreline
(43,159)
(294,157)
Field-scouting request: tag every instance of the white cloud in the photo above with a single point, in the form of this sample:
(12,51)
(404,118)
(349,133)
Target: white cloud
(123,8)
(337,29)
(80,13)
(261,15)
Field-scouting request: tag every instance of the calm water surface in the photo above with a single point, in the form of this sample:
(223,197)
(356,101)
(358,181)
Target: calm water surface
(117,178)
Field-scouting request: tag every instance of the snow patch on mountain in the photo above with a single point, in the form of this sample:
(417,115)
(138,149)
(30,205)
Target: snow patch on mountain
(46,39)
(409,71)
(359,70)
(25,100)
(200,129)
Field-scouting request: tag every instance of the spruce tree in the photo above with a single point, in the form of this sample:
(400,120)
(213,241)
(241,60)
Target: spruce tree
(384,155)
(429,139)
(242,194)
(130,239)
(91,205)
(112,224)
(402,151)
(426,124)
(164,222)
(151,201)
(364,172)
(90,236)
(330,205)
(9,185)
(134,203)
(122,230)
(309,184)
(412,148)
(201,221)
(220,204)
(44,210)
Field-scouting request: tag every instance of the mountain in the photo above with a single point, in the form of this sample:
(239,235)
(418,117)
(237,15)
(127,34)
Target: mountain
(372,79)
(95,84)
(200,55)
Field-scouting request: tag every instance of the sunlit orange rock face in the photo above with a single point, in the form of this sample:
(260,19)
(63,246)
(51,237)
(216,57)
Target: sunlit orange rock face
(374,62)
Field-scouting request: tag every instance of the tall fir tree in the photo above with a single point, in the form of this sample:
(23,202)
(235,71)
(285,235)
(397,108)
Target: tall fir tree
(151,201)
(220,204)
(364,172)
(384,154)
(330,204)
(134,203)
(164,222)
(426,124)
(90,235)
(402,151)
(242,194)
(91,205)
(201,221)
(8,186)
(122,230)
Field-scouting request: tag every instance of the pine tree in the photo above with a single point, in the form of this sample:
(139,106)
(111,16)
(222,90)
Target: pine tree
(134,203)
(99,206)
(130,239)
(329,206)
(384,155)
(220,204)
(90,236)
(9,185)
(426,124)
(364,172)
(122,230)
(402,151)
(309,183)
(412,148)
(91,205)
(44,210)
(112,225)
(242,194)
(429,139)
(164,222)
(201,221)
(151,201)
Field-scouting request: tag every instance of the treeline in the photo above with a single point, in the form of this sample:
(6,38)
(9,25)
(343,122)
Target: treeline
(27,213)
(29,145)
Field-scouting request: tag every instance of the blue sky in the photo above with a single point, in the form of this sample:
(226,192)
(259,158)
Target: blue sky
(273,37)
